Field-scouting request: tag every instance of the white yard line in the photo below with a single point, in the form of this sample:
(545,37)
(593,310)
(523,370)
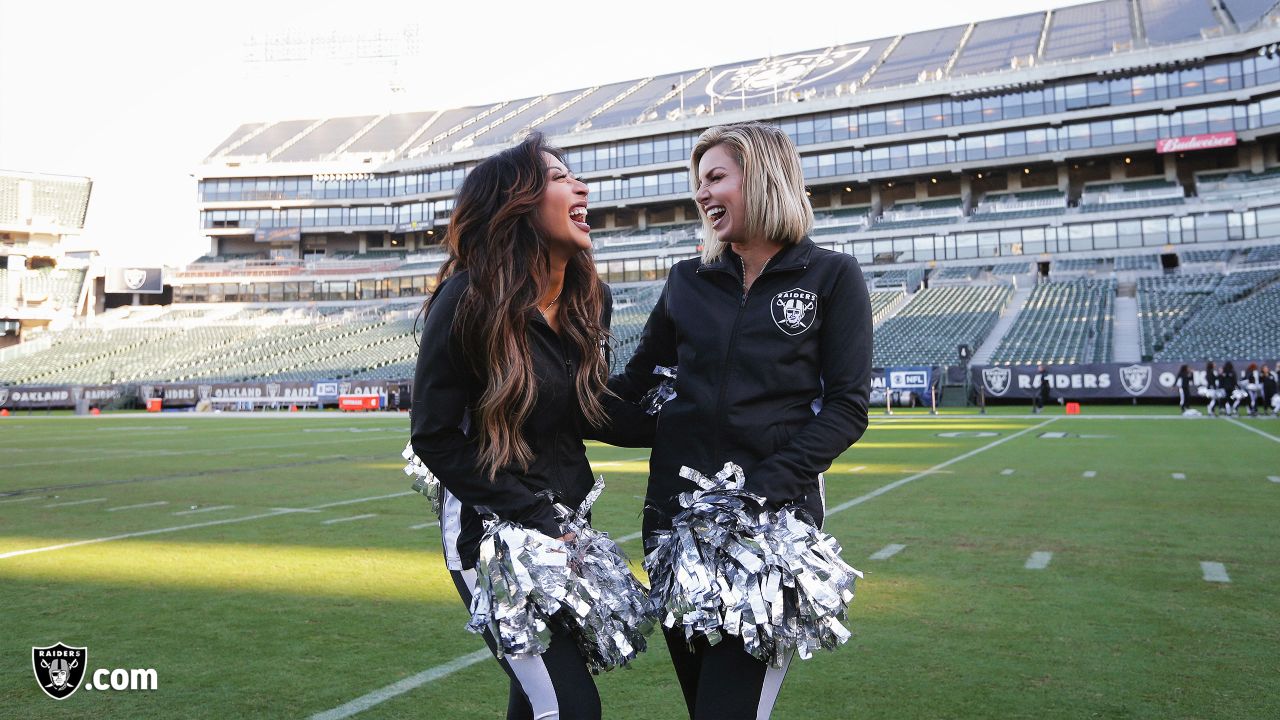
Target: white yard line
(1266,435)
(211,508)
(157,503)
(424,526)
(1007,471)
(1214,572)
(192,526)
(1089,473)
(75,502)
(887,551)
(349,519)
(1039,560)
(899,483)
(1178,476)
(1274,478)
(364,702)
(20,499)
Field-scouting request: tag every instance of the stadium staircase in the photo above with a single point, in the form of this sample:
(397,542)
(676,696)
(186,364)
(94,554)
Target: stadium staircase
(1126,342)
(982,355)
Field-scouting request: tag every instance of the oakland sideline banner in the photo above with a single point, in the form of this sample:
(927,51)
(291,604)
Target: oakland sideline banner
(41,397)
(1099,381)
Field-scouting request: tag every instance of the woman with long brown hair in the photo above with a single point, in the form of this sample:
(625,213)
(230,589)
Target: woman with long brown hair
(510,377)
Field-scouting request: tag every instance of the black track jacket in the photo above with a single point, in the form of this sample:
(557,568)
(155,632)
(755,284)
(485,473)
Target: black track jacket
(444,391)
(775,380)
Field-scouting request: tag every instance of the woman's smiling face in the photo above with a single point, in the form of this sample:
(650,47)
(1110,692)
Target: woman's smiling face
(720,194)
(561,217)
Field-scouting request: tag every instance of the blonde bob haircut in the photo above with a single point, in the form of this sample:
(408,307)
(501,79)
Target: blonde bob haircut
(772,183)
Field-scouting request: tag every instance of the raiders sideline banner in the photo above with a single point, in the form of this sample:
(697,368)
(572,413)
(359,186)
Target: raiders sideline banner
(175,395)
(1100,381)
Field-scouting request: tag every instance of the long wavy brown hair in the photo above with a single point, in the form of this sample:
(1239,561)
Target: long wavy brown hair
(492,237)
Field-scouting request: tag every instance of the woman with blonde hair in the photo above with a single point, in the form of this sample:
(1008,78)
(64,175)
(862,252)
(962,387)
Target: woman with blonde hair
(771,335)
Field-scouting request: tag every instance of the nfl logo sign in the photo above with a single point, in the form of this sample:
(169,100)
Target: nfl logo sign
(1135,379)
(996,380)
(59,669)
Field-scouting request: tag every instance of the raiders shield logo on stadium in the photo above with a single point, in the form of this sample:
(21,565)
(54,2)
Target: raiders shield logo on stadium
(77,392)
(147,391)
(4,396)
(135,278)
(1135,379)
(996,379)
(794,310)
(204,391)
(59,669)
(273,389)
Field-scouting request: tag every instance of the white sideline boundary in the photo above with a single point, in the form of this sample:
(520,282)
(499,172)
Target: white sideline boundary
(413,682)
(192,526)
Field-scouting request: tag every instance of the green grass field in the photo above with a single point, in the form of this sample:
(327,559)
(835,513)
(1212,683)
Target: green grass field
(276,612)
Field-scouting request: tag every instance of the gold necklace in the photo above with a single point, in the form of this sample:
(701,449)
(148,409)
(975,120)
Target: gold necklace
(554,300)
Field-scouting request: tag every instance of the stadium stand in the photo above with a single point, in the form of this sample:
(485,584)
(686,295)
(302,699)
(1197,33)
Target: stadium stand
(1132,195)
(1061,323)
(1131,263)
(631,308)
(1020,205)
(935,321)
(1213,317)
(882,303)
(1037,132)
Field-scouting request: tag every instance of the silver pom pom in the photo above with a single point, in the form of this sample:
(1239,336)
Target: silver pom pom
(528,583)
(610,608)
(661,393)
(522,579)
(727,565)
(424,481)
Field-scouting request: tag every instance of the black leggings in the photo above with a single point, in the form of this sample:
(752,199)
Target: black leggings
(553,685)
(723,681)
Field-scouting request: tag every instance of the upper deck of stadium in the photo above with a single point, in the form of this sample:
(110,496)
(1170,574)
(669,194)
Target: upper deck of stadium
(1104,37)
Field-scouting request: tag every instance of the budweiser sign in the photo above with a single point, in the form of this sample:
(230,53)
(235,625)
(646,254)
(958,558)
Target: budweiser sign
(1196,142)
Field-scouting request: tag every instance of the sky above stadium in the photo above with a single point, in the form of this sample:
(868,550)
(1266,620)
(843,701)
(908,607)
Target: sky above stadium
(135,94)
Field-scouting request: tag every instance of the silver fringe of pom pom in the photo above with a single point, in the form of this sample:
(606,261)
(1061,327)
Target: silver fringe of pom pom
(727,565)
(424,481)
(611,615)
(528,583)
(661,393)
